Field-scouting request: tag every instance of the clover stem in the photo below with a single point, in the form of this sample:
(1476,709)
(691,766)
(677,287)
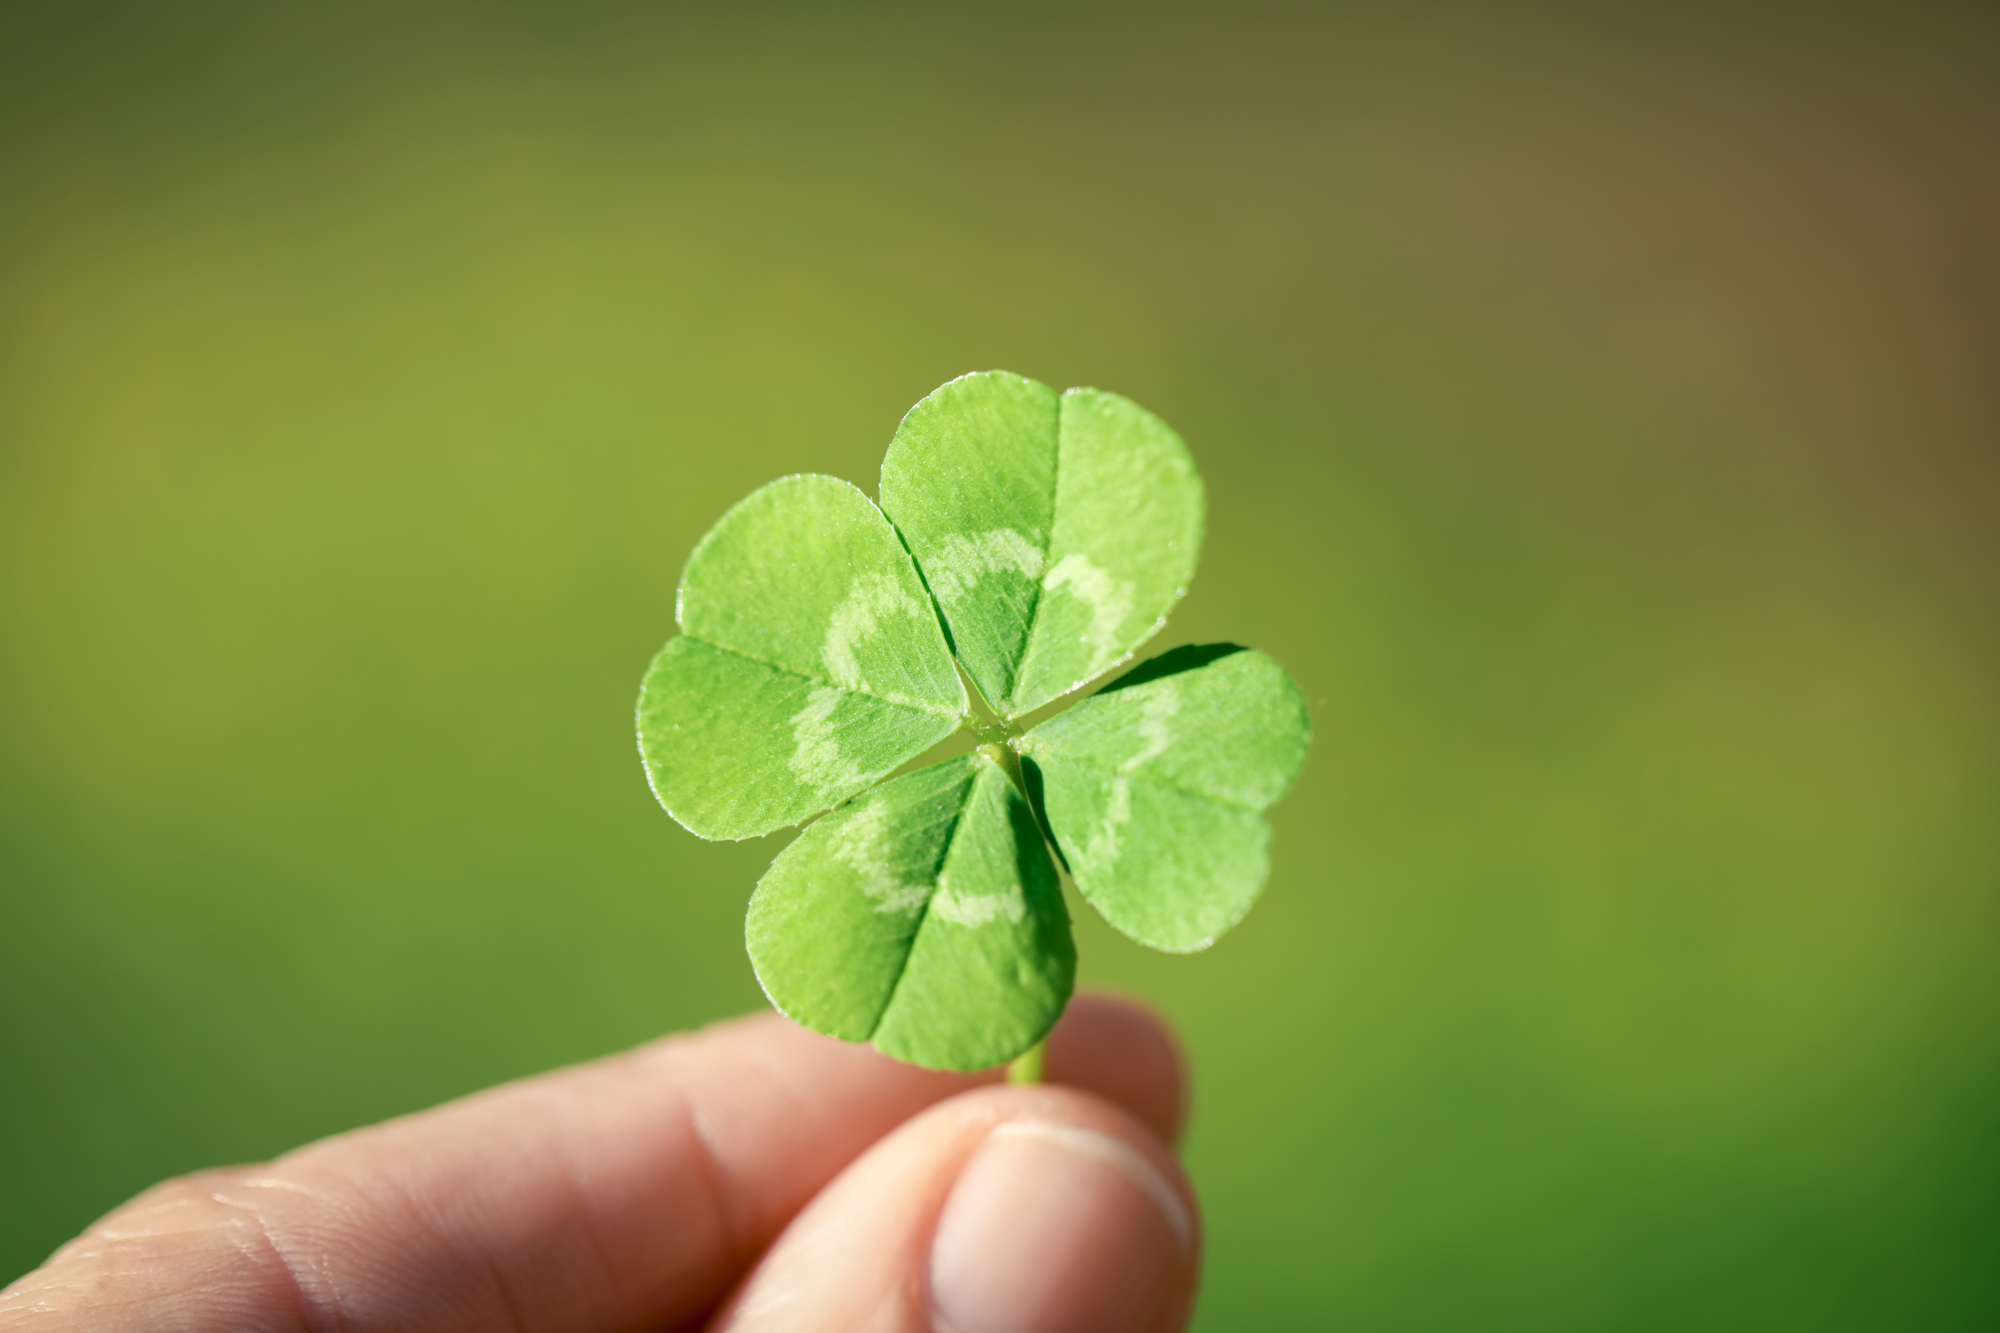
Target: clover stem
(1027,1066)
(1008,761)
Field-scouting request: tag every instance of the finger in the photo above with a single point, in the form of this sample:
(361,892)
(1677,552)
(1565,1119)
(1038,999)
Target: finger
(1004,1210)
(1123,1051)
(629,1191)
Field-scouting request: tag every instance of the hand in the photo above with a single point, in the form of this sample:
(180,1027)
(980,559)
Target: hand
(751,1174)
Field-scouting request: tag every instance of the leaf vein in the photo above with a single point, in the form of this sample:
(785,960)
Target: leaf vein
(1112,772)
(1035,592)
(924,912)
(782,669)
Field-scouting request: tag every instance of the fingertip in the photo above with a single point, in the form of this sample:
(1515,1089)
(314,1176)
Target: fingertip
(1006,1208)
(1056,1226)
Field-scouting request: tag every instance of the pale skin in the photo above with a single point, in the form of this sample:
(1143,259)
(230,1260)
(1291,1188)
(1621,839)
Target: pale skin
(750,1176)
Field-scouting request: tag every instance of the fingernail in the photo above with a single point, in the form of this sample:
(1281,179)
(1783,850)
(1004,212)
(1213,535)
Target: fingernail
(1053,1229)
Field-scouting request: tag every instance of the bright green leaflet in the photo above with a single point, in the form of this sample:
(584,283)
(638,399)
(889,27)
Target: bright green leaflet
(810,664)
(1037,538)
(1156,789)
(924,915)
(1055,531)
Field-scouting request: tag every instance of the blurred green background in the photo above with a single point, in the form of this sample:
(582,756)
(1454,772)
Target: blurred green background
(1600,419)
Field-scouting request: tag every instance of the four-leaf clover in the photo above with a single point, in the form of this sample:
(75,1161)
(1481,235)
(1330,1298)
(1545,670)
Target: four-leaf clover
(1026,543)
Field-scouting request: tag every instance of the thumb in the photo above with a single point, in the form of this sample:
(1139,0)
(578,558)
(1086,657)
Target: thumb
(1004,1210)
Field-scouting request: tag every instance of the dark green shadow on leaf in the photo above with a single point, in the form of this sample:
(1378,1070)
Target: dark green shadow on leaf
(1031,778)
(1187,657)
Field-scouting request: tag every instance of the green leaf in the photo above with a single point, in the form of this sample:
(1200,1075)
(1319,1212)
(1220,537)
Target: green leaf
(1056,532)
(810,664)
(925,915)
(1155,789)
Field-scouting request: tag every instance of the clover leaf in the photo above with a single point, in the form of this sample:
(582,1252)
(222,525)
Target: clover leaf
(1032,541)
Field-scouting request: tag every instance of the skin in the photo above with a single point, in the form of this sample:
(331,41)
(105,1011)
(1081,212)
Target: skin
(748,1176)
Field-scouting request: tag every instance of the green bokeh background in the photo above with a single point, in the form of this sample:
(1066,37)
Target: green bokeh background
(1600,421)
